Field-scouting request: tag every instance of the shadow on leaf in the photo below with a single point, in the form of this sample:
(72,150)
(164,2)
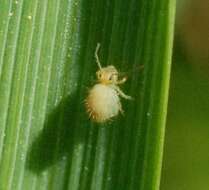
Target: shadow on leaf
(56,140)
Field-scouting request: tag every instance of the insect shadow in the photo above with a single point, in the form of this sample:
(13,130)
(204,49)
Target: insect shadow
(56,140)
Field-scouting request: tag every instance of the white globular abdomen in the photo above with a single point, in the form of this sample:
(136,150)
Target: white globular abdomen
(102,103)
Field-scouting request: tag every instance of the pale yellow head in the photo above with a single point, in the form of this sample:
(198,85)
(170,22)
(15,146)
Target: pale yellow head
(107,75)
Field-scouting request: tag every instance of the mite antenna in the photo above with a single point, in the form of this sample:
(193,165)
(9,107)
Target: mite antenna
(97,57)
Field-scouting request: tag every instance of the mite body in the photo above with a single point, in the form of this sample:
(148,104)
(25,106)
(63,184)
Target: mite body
(103,102)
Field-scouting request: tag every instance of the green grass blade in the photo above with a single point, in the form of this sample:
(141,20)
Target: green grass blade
(46,67)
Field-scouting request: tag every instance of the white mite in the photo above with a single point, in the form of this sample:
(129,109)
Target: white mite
(103,102)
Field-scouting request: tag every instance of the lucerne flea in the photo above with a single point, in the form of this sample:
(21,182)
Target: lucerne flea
(103,102)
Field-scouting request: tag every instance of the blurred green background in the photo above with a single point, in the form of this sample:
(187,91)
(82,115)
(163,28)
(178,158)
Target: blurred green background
(186,152)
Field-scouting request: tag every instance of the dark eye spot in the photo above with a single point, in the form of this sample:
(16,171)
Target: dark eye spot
(99,75)
(112,77)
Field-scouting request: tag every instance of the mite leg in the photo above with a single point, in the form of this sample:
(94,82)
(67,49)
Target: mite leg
(122,94)
(97,57)
(121,109)
(121,81)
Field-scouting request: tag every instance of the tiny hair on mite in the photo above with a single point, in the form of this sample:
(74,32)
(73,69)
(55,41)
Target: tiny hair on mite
(103,100)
